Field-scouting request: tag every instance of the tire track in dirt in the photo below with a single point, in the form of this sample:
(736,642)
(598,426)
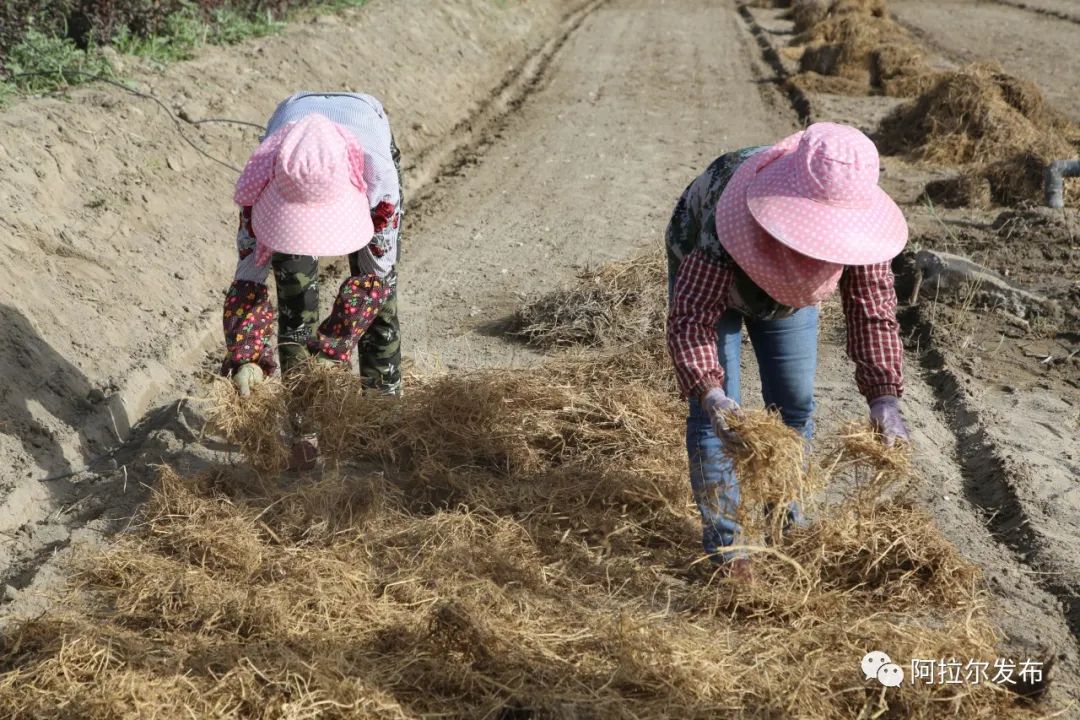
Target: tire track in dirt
(1040,10)
(991,481)
(799,102)
(470,136)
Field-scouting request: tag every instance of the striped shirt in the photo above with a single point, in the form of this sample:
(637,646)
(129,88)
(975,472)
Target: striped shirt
(706,282)
(364,116)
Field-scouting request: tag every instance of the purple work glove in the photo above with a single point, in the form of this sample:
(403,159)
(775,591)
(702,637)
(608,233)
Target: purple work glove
(718,404)
(886,418)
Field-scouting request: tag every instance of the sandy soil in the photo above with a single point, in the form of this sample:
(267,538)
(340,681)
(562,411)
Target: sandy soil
(1031,44)
(576,160)
(613,115)
(1062,9)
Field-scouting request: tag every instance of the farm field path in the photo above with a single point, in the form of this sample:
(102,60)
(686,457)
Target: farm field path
(642,97)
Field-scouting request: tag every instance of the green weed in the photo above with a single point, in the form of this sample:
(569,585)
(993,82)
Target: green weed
(188,30)
(41,63)
(333,5)
(45,63)
(228,26)
(183,32)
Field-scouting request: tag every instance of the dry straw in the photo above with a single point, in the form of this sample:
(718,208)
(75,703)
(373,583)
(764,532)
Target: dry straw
(976,115)
(772,461)
(254,424)
(998,125)
(617,305)
(853,47)
(503,544)
(522,546)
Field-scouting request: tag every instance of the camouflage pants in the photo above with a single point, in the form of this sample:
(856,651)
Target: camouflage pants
(379,349)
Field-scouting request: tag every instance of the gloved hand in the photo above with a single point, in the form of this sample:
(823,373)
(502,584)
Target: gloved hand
(886,418)
(718,405)
(246,377)
(323,359)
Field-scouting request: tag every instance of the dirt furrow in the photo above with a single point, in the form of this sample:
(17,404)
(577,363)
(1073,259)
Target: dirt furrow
(637,103)
(1053,8)
(472,133)
(799,102)
(992,484)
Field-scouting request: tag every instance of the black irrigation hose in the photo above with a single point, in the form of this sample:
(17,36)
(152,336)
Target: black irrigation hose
(149,96)
(257,126)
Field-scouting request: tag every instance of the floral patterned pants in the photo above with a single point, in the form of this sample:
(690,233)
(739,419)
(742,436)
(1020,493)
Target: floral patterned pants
(379,349)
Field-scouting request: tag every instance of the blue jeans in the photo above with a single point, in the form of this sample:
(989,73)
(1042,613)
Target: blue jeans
(786,352)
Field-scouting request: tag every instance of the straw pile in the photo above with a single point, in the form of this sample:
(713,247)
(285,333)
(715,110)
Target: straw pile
(853,47)
(983,117)
(808,13)
(964,190)
(620,304)
(501,544)
(997,127)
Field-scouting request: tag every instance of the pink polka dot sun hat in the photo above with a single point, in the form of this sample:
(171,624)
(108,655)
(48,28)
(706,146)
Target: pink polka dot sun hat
(306,189)
(795,214)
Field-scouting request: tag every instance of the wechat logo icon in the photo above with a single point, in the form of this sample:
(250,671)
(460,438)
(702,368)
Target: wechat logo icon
(880,666)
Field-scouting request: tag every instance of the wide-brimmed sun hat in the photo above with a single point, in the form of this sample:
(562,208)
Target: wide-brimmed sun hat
(795,214)
(823,199)
(306,189)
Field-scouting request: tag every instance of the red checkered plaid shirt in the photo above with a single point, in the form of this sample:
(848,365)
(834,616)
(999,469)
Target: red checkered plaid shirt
(867,294)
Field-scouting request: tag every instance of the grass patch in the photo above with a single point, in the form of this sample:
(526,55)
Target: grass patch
(43,62)
(190,29)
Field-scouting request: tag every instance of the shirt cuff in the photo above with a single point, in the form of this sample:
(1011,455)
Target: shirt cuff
(873,392)
(703,386)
